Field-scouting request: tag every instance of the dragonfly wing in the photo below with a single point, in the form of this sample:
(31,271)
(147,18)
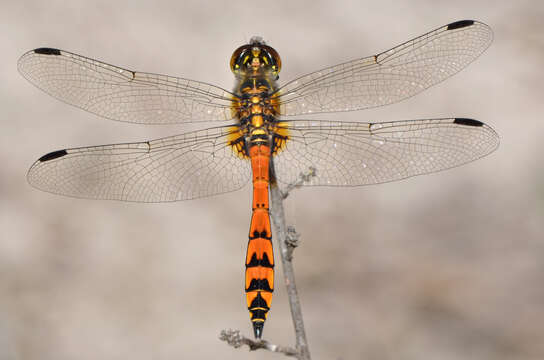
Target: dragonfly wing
(390,76)
(353,153)
(120,94)
(192,165)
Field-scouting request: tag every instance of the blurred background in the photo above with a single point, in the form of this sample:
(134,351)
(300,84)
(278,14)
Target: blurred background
(444,266)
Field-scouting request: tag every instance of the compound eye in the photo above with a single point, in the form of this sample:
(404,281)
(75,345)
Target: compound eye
(237,58)
(274,57)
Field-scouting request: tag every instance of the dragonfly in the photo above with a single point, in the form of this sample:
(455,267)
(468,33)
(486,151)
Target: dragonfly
(257,138)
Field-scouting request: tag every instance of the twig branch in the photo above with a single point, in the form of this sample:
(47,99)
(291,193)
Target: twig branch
(292,241)
(288,240)
(302,178)
(235,339)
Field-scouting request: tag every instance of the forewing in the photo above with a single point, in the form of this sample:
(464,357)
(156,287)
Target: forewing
(390,76)
(187,166)
(120,94)
(352,153)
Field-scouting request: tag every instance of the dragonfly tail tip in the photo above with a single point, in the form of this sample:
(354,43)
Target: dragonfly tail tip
(258,329)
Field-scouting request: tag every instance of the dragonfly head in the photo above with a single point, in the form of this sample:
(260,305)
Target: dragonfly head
(255,58)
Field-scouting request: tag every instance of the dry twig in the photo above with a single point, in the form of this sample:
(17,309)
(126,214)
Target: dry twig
(236,340)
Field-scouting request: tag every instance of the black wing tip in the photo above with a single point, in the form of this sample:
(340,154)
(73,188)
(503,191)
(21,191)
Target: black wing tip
(47,51)
(53,155)
(460,24)
(468,122)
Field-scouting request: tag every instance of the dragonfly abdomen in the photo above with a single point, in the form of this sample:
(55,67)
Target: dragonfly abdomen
(260,257)
(255,113)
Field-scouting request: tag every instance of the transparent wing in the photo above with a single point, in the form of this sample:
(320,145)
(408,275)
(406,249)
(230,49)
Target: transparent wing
(120,94)
(388,77)
(353,153)
(188,166)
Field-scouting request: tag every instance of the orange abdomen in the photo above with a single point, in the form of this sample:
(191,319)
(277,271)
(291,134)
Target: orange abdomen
(260,257)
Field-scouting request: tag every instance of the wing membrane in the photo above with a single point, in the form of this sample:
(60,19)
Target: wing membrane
(120,94)
(187,166)
(390,76)
(353,153)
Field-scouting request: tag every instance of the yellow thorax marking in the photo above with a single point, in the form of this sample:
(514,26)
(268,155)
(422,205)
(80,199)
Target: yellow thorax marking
(257,121)
(256,109)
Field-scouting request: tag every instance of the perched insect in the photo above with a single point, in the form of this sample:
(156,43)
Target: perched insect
(260,144)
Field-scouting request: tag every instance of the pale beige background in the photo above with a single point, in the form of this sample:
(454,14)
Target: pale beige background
(445,266)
